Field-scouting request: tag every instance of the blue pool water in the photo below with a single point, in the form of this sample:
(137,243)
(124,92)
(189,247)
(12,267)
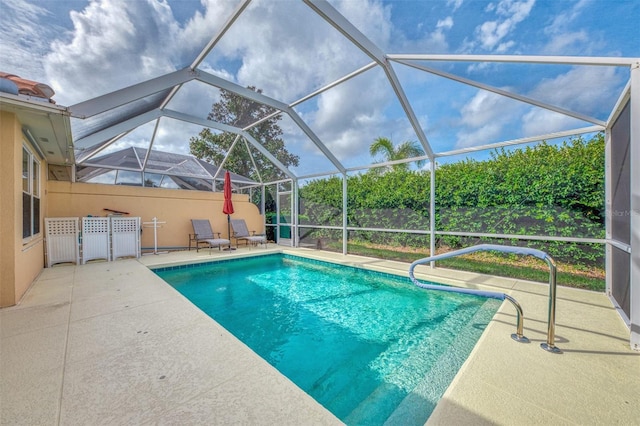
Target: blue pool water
(370,347)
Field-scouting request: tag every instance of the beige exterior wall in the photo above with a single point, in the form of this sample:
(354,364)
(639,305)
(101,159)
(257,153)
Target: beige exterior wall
(173,206)
(20,262)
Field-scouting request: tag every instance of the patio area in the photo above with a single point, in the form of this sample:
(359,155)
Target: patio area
(111,343)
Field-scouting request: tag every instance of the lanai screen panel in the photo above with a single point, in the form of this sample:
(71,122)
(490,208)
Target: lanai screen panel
(621,209)
(194,98)
(85,127)
(284,49)
(456,115)
(311,160)
(350,116)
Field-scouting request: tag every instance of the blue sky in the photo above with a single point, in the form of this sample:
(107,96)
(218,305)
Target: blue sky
(87,48)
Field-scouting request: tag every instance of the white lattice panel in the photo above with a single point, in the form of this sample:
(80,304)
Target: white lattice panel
(96,241)
(62,240)
(125,237)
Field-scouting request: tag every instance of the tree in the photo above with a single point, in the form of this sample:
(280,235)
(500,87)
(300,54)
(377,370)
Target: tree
(238,111)
(405,150)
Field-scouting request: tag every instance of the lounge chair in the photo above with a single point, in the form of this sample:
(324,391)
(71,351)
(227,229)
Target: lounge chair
(202,233)
(241,232)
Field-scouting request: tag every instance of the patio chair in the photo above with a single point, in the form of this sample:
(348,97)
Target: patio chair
(241,232)
(202,233)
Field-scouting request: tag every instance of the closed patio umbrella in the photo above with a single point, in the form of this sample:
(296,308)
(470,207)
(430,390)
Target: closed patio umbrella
(227,208)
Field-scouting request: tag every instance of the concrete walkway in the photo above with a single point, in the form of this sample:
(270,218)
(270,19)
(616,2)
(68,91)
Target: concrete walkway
(111,343)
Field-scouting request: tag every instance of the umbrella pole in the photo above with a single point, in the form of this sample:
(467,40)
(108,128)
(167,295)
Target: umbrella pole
(229,232)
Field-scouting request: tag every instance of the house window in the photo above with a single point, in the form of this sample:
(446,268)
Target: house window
(30,194)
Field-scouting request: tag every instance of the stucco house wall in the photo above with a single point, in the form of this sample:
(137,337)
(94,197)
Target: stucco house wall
(174,206)
(20,261)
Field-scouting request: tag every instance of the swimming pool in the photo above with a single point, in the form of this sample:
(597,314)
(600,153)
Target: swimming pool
(370,347)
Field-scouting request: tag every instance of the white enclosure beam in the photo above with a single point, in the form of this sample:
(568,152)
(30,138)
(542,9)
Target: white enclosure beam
(635,207)
(224,160)
(527,59)
(506,93)
(101,136)
(388,163)
(620,104)
(265,100)
(346,28)
(129,94)
(188,118)
(320,174)
(216,38)
(335,83)
(402,97)
(253,160)
(226,128)
(521,141)
(306,130)
(316,93)
(90,153)
(315,139)
(257,145)
(153,138)
(221,83)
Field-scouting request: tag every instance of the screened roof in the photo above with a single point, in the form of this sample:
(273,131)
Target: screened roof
(185,171)
(449,103)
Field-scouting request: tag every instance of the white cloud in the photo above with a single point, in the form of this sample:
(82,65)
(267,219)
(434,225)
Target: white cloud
(288,52)
(582,89)
(540,121)
(23,43)
(275,54)
(455,3)
(371,18)
(484,118)
(489,117)
(490,34)
(116,43)
(565,36)
(562,43)
(563,21)
(350,116)
(113,44)
(446,23)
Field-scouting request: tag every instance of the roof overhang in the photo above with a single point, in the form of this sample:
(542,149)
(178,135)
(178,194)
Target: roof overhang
(46,125)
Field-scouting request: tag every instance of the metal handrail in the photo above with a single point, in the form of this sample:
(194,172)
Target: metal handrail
(518,336)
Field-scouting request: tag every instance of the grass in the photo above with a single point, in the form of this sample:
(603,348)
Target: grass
(511,266)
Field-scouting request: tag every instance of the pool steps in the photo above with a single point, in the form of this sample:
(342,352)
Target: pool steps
(411,397)
(549,345)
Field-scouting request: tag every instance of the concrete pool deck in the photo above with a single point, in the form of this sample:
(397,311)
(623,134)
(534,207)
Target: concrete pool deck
(111,343)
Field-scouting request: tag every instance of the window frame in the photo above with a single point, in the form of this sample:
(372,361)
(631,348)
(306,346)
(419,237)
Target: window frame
(32,177)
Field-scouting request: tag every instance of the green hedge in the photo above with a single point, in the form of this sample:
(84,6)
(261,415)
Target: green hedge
(548,190)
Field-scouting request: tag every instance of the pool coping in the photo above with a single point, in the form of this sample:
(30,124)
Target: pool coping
(62,367)
(567,388)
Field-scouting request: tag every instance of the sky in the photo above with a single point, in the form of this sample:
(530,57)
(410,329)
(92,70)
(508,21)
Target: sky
(86,48)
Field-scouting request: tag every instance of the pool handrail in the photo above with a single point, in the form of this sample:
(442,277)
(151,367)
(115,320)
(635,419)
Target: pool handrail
(518,336)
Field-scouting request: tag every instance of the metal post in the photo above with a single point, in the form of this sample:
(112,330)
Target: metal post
(550,346)
(294,212)
(344,214)
(634,165)
(432,213)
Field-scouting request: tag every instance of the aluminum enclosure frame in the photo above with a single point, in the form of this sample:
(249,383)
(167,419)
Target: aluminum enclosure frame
(94,142)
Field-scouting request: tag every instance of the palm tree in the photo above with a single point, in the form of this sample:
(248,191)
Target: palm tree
(407,149)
